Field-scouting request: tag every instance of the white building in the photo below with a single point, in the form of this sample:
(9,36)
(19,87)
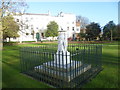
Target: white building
(35,25)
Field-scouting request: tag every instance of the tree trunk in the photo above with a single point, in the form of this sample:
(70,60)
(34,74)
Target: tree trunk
(111,36)
(9,39)
(1,32)
(1,47)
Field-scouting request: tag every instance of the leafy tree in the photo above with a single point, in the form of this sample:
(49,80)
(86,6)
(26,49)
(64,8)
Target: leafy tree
(82,36)
(8,7)
(108,30)
(10,27)
(52,29)
(116,32)
(92,31)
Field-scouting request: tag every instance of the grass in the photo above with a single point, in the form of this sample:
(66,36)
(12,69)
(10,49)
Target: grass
(108,78)
(12,78)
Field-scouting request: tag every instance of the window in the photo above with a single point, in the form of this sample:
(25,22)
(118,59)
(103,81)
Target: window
(77,29)
(42,34)
(17,20)
(27,33)
(26,20)
(14,38)
(31,26)
(26,26)
(73,28)
(67,28)
(32,33)
(61,28)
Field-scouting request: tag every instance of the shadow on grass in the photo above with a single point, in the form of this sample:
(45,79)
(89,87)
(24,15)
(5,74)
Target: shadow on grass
(12,78)
(110,59)
(11,56)
(16,66)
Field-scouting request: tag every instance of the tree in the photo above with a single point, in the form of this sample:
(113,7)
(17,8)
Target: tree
(10,27)
(108,30)
(52,29)
(116,32)
(12,6)
(8,7)
(93,31)
(82,36)
(83,21)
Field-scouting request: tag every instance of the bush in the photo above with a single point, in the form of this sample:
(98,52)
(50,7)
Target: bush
(27,41)
(9,43)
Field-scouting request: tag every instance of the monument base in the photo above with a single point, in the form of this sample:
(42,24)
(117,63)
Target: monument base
(62,57)
(65,72)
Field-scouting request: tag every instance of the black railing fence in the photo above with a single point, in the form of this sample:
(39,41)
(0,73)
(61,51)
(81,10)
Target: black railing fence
(61,69)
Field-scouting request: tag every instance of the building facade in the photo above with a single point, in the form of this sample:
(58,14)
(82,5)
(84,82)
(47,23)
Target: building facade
(34,26)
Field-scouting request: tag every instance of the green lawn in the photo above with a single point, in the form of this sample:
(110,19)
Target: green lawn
(108,78)
(12,78)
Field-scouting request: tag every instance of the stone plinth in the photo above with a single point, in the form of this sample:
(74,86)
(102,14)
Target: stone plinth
(62,58)
(62,72)
(63,67)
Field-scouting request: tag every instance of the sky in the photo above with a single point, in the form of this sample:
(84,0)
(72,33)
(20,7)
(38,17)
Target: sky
(98,12)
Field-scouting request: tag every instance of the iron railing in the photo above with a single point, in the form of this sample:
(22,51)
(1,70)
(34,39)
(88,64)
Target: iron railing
(41,63)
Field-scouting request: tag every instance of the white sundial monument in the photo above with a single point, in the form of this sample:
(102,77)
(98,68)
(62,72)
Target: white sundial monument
(62,56)
(61,62)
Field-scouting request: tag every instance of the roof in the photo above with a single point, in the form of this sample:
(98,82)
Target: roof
(36,14)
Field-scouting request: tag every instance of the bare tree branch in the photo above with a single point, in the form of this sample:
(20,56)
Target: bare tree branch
(13,6)
(83,21)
